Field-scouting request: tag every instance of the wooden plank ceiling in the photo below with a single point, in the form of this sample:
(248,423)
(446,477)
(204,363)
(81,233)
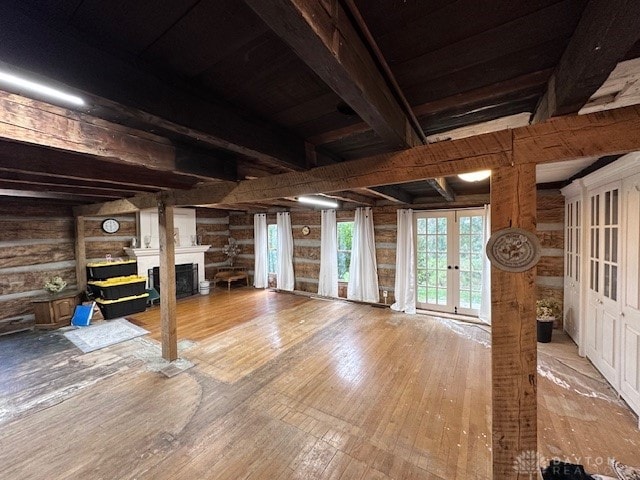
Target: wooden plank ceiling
(246,89)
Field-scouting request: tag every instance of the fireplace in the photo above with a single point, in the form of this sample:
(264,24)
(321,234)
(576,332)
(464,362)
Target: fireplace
(186,279)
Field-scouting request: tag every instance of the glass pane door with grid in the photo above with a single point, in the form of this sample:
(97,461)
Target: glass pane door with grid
(449,258)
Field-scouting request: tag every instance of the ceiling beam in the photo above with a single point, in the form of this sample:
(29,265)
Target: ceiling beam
(28,178)
(323,36)
(38,123)
(606,32)
(33,122)
(392,193)
(123,91)
(558,139)
(33,159)
(351,197)
(458,105)
(96,194)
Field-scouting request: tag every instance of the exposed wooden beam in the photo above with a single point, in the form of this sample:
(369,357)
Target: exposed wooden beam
(34,122)
(168,322)
(513,328)
(461,201)
(322,35)
(20,176)
(558,139)
(351,197)
(71,198)
(455,104)
(606,32)
(21,158)
(578,136)
(122,90)
(87,192)
(37,123)
(115,207)
(392,193)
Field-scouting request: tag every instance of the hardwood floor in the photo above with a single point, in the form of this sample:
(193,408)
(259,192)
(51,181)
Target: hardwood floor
(285,387)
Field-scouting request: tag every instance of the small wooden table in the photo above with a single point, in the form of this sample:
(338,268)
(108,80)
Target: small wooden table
(230,274)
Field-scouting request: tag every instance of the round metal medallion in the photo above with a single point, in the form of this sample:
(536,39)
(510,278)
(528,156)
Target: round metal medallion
(513,250)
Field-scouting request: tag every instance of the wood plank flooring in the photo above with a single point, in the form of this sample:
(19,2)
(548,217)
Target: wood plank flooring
(286,387)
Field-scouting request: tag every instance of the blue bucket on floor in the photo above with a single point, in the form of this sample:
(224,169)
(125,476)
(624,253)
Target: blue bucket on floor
(82,316)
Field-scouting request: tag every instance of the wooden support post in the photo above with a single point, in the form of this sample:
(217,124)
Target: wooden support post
(81,255)
(167,281)
(513,331)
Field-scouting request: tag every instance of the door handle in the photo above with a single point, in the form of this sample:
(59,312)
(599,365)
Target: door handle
(448,267)
(456,267)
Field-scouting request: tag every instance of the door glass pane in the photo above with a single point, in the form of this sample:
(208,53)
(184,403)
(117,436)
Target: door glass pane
(465,225)
(431,225)
(614,207)
(422,226)
(614,283)
(470,261)
(431,264)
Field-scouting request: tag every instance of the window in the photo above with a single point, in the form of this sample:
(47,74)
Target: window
(272,248)
(345,235)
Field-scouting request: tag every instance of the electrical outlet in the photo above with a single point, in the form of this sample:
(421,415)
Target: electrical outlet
(385,294)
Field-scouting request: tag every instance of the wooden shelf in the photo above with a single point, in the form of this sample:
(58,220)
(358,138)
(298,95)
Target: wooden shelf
(56,310)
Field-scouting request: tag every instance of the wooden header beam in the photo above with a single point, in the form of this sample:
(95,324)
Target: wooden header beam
(559,139)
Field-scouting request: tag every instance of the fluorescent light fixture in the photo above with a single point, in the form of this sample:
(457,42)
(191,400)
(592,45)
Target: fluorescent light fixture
(475,176)
(38,88)
(318,201)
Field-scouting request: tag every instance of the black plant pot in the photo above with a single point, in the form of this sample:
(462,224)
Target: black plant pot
(545,330)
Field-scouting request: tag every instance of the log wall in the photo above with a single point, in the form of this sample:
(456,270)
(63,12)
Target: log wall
(550,228)
(306,249)
(99,244)
(213,228)
(211,225)
(36,243)
(306,260)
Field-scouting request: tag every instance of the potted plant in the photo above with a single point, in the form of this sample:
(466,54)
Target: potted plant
(231,250)
(547,310)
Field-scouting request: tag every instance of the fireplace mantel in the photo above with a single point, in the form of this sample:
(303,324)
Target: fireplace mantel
(155,252)
(150,257)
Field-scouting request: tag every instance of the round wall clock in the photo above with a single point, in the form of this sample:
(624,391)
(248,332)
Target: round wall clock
(306,230)
(110,225)
(513,250)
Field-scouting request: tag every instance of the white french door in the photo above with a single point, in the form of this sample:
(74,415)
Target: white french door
(573,262)
(603,296)
(449,258)
(630,314)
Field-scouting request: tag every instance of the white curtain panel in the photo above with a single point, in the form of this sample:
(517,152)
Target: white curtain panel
(284,268)
(261,275)
(485,302)
(328,281)
(363,272)
(405,286)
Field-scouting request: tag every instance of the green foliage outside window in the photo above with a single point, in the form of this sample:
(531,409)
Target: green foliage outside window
(345,238)
(272,248)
